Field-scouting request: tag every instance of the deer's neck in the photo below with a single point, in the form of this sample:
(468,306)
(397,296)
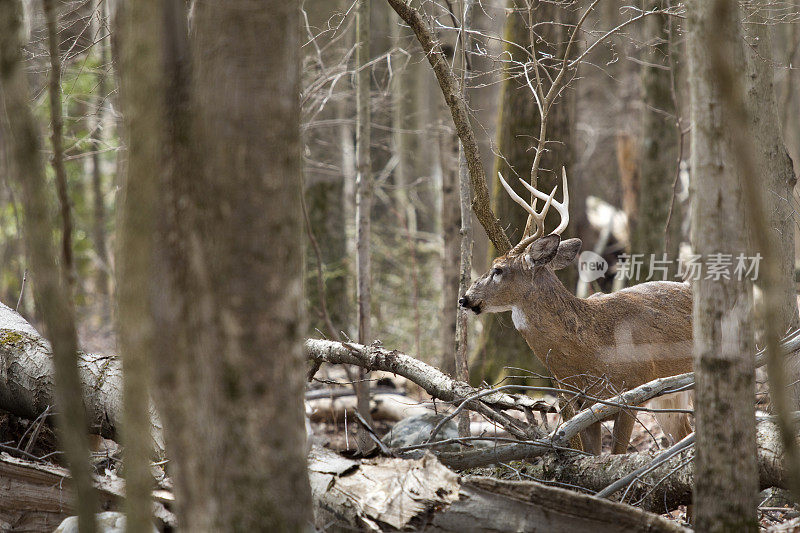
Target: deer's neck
(550,316)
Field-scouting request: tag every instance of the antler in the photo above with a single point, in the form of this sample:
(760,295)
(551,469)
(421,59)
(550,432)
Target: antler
(562,208)
(538,218)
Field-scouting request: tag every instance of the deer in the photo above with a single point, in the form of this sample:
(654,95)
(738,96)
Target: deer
(599,345)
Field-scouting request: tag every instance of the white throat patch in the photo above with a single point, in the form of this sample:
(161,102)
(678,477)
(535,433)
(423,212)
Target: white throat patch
(518,317)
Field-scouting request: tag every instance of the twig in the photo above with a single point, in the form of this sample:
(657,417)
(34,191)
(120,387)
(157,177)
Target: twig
(21,289)
(37,425)
(12,450)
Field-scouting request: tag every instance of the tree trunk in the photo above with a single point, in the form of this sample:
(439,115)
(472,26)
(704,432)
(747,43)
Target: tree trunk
(95,120)
(726,480)
(26,358)
(659,149)
(141,79)
(364,187)
(57,139)
(437,500)
(451,250)
(518,126)
(465,234)
(779,178)
(53,299)
(230,266)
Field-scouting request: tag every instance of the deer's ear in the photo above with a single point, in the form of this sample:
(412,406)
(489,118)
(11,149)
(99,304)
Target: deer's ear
(543,250)
(567,251)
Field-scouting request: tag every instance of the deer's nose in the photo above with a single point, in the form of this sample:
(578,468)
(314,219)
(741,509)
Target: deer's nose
(463,302)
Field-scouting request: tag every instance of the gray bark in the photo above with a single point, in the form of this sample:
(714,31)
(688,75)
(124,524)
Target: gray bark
(726,482)
(779,178)
(659,147)
(141,78)
(57,140)
(231,223)
(435,499)
(451,251)
(665,487)
(53,298)
(27,380)
(364,191)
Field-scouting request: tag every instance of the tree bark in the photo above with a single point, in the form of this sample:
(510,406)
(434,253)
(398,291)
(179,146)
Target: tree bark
(230,261)
(776,165)
(465,233)
(451,251)
(141,90)
(727,481)
(659,148)
(57,138)
(669,485)
(436,499)
(95,126)
(364,186)
(26,361)
(53,299)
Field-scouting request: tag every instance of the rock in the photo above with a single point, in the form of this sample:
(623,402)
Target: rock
(416,430)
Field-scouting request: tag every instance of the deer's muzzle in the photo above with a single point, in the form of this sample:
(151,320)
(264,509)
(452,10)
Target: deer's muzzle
(465,302)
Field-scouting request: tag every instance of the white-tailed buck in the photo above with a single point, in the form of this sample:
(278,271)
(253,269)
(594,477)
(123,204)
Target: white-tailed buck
(602,344)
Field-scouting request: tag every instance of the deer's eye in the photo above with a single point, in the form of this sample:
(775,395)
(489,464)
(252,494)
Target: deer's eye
(497,271)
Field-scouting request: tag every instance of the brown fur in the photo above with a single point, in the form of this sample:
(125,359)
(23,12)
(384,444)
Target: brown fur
(603,344)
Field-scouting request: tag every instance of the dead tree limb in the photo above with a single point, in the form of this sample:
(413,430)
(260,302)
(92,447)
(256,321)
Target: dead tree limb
(434,381)
(27,379)
(451,89)
(443,387)
(425,496)
(37,497)
(669,484)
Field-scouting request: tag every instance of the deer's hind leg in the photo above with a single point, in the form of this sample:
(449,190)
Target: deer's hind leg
(623,427)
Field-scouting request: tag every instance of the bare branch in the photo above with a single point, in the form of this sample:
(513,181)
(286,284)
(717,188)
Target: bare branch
(451,90)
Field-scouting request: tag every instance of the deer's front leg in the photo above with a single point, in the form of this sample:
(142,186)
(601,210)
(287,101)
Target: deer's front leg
(592,439)
(623,427)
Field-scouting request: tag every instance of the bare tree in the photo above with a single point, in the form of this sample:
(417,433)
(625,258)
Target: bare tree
(53,298)
(229,267)
(57,138)
(364,187)
(141,88)
(726,474)
(658,168)
(779,177)
(95,127)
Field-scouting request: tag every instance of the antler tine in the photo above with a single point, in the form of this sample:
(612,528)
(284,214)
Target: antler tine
(531,209)
(562,207)
(539,218)
(517,198)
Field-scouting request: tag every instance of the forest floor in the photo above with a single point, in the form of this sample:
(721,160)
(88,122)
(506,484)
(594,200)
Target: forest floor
(334,426)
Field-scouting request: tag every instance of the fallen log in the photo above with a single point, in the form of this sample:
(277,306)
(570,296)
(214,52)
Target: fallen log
(664,487)
(37,497)
(387,494)
(445,388)
(27,374)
